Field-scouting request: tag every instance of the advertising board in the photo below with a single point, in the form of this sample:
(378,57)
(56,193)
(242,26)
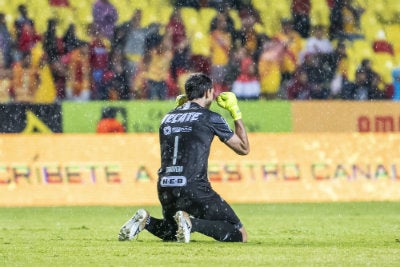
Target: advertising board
(121,169)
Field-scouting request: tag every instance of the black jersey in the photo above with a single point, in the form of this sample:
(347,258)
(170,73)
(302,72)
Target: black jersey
(186,134)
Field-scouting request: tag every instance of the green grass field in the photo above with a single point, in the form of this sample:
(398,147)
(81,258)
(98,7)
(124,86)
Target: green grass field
(324,234)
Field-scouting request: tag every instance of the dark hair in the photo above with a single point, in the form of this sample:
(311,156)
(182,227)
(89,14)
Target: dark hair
(153,40)
(365,62)
(109,112)
(196,85)
(22,8)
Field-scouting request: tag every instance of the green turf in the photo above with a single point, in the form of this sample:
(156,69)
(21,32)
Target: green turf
(326,234)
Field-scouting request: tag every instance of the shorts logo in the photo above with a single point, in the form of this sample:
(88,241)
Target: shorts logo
(173,181)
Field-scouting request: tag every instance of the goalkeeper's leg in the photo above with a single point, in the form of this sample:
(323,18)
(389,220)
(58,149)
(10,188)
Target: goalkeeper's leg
(162,228)
(219,230)
(214,217)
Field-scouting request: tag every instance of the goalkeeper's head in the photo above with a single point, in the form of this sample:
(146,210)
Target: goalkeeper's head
(197,85)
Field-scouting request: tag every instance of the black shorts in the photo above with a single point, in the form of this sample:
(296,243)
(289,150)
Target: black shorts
(199,202)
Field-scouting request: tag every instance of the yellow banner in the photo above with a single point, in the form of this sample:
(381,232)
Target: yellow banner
(345,116)
(121,169)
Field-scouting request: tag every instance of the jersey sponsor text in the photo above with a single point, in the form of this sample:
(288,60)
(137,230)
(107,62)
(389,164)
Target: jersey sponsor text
(181,117)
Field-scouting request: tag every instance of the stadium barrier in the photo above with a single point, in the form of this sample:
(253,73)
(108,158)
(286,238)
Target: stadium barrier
(145,116)
(260,116)
(345,116)
(121,169)
(30,118)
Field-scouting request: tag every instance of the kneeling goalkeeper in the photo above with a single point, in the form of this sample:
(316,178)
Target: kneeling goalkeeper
(189,204)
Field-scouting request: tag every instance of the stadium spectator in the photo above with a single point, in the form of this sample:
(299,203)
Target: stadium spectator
(366,65)
(105,16)
(377,91)
(27,39)
(5,84)
(293,44)
(183,187)
(52,44)
(246,9)
(317,79)
(119,37)
(158,68)
(316,44)
(320,49)
(6,43)
(238,53)
(22,20)
(374,80)
(46,92)
(230,24)
(340,67)
(269,68)
(344,20)
(263,39)
(395,90)
(139,82)
(117,77)
(132,41)
(247,36)
(78,73)
(26,36)
(177,28)
(180,64)
(220,47)
(109,123)
(98,56)
(300,10)
(247,85)
(360,89)
(53,50)
(25,79)
(298,87)
(70,40)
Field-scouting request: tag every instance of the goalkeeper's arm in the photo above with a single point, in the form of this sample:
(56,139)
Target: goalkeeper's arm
(239,141)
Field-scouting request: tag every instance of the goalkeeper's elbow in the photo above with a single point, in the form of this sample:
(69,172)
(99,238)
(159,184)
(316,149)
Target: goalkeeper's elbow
(243,150)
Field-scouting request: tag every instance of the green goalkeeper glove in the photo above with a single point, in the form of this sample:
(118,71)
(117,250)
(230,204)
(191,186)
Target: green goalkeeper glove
(228,101)
(180,100)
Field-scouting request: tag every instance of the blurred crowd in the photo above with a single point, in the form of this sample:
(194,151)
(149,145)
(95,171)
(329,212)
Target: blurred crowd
(129,61)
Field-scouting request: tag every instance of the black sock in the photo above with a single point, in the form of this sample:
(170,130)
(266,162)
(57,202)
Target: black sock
(161,228)
(219,230)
